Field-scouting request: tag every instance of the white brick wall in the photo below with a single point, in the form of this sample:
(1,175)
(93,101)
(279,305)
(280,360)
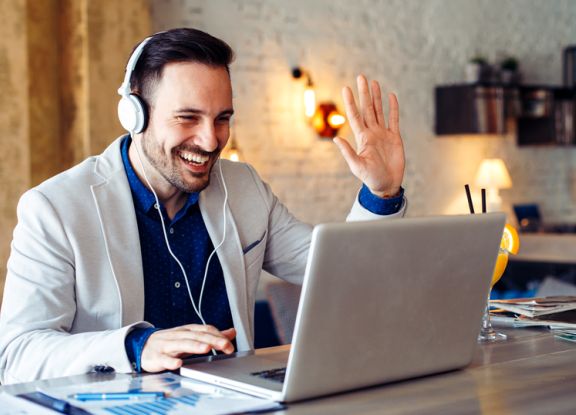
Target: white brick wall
(409,46)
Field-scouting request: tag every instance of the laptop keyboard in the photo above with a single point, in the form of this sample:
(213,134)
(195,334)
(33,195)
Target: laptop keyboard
(276,375)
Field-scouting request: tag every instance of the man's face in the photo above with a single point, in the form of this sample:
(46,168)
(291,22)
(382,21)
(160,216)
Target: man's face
(189,124)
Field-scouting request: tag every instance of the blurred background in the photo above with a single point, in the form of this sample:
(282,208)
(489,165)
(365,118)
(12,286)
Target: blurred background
(61,62)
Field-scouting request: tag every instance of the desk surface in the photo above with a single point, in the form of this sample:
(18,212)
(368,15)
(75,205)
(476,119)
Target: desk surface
(531,373)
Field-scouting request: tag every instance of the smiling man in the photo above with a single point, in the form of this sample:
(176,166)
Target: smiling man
(152,251)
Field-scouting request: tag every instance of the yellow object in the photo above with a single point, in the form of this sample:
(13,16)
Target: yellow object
(510,240)
(500,267)
(510,244)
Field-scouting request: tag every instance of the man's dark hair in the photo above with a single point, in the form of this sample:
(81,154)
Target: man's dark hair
(176,45)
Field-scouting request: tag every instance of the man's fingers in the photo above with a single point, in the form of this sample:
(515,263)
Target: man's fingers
(190,339)
(365,98)
(377,103)
(198,327)
(229,333)
(170,363)
(177,348)
(393,116)
(192,331)
(348,153)
(352,113)
(228,349)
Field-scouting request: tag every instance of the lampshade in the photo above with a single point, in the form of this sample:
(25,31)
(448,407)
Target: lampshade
(327,120)
(493,174)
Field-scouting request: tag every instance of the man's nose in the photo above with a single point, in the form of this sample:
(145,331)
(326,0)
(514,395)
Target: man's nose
(208,140)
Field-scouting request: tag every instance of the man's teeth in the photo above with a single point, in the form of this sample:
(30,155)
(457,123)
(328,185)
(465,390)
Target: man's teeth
(194,158)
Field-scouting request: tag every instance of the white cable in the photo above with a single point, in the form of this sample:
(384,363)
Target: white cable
(157,206)
(199,309)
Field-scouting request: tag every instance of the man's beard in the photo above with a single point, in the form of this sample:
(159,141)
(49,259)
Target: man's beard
(170,169)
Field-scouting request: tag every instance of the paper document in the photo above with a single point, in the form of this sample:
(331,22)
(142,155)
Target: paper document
(11,405)
(564,334)
(182,396)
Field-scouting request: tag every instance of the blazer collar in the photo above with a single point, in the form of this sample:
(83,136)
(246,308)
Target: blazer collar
(230,254)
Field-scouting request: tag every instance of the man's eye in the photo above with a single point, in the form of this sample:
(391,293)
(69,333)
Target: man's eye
(187,118)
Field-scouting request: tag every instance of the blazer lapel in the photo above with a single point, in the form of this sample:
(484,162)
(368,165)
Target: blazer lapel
(230,256)
(120,228)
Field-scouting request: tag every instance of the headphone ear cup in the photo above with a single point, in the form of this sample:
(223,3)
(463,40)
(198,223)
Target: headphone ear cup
(132,113)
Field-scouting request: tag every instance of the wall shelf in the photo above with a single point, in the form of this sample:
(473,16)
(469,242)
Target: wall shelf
(543,115)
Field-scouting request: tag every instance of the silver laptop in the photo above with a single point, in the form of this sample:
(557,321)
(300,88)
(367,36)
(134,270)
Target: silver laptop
(382,301)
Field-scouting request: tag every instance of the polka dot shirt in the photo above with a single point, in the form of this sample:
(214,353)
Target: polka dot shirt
(167,301)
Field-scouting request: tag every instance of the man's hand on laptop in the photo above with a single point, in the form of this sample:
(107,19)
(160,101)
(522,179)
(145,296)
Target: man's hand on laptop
(378,160)
(165,349)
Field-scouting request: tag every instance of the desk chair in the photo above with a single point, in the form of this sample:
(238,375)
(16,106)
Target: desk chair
(283,299)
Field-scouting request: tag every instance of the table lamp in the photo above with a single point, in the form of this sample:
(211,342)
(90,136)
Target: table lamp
(232,151)
(493,175)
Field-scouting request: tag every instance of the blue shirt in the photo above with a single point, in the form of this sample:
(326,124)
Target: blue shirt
(166,301)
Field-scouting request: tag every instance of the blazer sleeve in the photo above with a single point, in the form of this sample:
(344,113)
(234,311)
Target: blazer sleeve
(288,239)
(39,304)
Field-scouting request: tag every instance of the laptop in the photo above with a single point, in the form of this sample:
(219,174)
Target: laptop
(382,301)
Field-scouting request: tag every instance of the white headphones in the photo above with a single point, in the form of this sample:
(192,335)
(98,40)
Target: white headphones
(132,111)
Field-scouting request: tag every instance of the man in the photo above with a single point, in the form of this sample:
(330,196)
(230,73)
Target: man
(112,261)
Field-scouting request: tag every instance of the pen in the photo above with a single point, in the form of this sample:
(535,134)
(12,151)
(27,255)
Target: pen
(112,396)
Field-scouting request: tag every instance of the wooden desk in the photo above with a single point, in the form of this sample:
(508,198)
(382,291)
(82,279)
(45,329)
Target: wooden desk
(531,373)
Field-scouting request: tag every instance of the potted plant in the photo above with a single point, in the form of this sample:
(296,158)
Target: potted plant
(477,69)
(509,71)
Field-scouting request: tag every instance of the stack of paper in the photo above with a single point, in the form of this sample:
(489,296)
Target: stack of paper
(557,312)
(536,307)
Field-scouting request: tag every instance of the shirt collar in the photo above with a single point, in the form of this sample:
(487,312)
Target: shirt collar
(143,197)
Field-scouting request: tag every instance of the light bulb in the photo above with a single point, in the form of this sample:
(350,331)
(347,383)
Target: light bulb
(336,120)
(309,101)
(233,155)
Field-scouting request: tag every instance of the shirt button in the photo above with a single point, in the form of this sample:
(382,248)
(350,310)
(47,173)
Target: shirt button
(156,206)
(171,231)
(177,284)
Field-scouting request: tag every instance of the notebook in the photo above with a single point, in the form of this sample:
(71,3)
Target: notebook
(382,301)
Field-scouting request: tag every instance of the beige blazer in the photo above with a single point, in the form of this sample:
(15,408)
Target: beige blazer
(75,286)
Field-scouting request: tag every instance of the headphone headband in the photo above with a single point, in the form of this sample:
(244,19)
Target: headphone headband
(125,88)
